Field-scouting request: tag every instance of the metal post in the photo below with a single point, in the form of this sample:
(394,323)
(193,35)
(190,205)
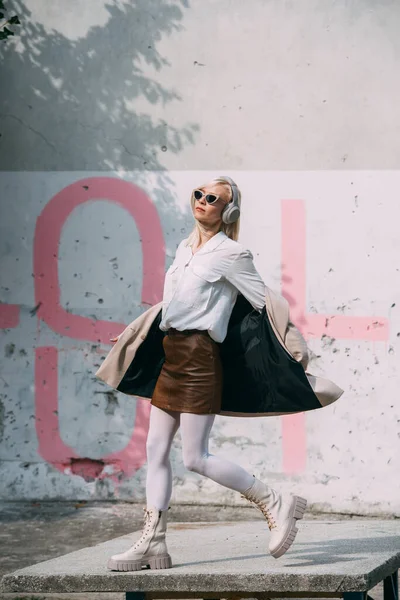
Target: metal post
(135,596)
(391,587)
(355,596)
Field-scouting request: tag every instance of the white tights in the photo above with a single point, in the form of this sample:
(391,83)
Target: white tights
(195,431)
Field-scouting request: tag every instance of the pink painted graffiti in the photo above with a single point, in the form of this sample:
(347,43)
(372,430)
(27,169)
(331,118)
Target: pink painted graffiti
(47,295)
(46,247)
(9,316)
(294,228)
(50,444)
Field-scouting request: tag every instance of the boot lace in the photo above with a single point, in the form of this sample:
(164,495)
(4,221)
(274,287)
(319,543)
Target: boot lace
(264,509)
(146,527)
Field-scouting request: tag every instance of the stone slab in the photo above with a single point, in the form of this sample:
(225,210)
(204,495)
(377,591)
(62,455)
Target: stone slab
(329,557)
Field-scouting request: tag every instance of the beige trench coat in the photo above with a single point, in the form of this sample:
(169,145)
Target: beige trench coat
(123,352)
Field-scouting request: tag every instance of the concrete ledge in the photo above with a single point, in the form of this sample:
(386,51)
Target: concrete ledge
(327,559)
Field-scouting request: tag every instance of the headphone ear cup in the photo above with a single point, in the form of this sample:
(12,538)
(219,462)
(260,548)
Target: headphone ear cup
(230,214)
(231,211)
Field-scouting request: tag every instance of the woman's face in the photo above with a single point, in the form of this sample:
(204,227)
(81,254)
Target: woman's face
(207,214)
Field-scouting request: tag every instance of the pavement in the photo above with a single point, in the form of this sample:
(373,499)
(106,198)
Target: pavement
(32,532)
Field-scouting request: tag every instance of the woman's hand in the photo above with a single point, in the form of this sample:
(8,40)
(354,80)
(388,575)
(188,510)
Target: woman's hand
(114,339)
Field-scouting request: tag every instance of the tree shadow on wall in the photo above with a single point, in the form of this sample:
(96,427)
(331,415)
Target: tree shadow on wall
(77,104)
(70,104)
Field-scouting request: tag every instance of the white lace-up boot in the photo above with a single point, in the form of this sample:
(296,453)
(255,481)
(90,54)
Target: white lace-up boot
(150,550)
(281,514)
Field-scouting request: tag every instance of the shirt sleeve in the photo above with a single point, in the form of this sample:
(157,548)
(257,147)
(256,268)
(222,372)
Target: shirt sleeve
(247,280)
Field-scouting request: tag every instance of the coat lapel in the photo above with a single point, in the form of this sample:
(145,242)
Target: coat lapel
(121,355)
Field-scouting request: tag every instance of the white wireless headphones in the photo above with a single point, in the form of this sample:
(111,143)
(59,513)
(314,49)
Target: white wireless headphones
(231,211)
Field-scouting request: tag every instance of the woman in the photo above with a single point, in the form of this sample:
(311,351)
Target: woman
(201,287)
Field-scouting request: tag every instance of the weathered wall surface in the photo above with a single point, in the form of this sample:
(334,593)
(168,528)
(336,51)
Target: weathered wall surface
(113,112)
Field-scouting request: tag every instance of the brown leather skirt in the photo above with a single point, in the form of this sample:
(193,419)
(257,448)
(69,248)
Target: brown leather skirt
(191,376)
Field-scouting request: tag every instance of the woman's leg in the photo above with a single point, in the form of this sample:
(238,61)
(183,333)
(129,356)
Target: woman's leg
(282,513)
(195,431)
(162,429)
(151,548)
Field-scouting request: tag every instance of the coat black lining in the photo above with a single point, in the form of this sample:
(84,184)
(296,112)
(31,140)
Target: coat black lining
(259,375)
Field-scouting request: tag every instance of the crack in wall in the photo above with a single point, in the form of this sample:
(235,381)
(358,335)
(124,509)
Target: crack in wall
(21,122)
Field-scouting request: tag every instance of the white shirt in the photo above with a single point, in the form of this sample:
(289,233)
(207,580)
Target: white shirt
(200,289)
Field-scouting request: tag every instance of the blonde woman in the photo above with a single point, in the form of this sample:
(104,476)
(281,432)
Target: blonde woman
(201,287)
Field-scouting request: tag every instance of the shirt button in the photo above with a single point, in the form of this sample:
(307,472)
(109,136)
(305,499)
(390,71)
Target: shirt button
(143,336)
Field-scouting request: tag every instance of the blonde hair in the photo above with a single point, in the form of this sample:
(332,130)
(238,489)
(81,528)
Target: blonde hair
(231,230)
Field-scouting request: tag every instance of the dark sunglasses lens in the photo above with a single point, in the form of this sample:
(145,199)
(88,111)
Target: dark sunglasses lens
(198,194)
(211,198)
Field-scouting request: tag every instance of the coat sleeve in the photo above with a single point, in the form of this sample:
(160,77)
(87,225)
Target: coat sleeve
(295,341)
(244,276)
(289,335)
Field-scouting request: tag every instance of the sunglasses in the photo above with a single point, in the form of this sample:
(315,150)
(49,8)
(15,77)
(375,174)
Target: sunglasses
(209,198)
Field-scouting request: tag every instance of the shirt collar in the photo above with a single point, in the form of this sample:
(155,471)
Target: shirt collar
(211,244)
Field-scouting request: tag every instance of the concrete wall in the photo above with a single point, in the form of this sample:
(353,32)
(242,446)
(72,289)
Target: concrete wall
(112,113)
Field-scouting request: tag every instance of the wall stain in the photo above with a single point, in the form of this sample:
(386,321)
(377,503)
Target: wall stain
(9,350)
(87,468)
(112,402)
(2,414)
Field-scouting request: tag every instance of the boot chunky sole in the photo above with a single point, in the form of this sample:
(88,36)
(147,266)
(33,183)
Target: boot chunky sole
(163,561)
(297,511)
